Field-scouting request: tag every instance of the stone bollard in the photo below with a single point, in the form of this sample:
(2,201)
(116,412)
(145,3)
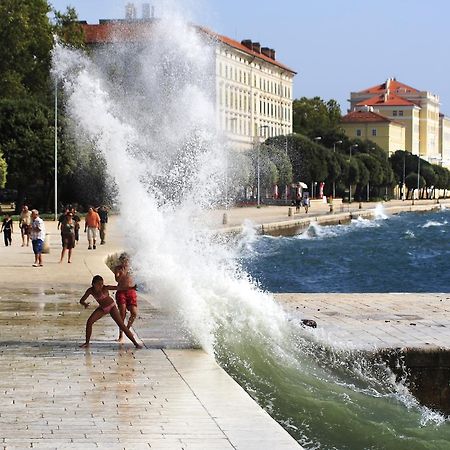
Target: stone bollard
(360,205)
(290,212)
(225,219)
(331,208)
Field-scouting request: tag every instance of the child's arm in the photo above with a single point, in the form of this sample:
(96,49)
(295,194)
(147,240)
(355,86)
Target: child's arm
(111,288)
(85,296)
(117,288)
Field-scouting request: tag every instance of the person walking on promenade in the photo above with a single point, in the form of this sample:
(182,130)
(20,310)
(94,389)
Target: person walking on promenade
(306,203)
(103,213)
(298,201)
(106,306)
(7,228)
(126,297)
(77,220)
(92,224)
(24,225)
(68,237)
(37,237)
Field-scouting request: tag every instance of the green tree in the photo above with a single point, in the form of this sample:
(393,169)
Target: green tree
(26,137)
(25,44)
(67,27)
(411,182)
(314,117)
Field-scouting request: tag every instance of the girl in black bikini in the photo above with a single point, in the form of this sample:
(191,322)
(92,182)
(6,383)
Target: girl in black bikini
(106,306)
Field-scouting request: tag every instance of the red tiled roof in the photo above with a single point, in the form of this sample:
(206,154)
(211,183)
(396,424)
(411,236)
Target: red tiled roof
(386,100)
(131,31)
(394,86)
(237,45)
(366,117)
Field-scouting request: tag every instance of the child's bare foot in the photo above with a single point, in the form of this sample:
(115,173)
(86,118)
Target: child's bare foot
(120,339)
(138,346)
(85,345)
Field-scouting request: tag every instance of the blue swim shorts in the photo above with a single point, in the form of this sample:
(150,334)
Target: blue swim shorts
(37,246)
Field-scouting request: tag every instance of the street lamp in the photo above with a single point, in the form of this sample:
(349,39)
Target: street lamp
(56,149)
(418,177)
(350,183)
(258,168)
(334,181)
(317,139)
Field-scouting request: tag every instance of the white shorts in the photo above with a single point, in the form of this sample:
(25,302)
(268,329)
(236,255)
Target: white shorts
(91,233)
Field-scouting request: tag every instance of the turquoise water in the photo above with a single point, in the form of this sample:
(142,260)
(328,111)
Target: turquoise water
(328,398)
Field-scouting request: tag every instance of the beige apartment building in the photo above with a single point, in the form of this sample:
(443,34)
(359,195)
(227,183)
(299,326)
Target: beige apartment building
(253,91)
(418,111)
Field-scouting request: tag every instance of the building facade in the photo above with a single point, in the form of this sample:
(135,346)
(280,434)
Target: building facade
(368,125)
(418,111)
(253,91)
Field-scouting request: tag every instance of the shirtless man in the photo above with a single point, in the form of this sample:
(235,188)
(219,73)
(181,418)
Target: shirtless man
(126,297)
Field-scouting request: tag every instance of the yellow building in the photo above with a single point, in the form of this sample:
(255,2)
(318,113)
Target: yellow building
(417,110)
(365,124)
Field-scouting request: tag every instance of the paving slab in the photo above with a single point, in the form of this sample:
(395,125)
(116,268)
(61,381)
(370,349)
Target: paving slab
(375,321)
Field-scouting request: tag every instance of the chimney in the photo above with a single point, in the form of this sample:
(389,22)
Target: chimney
(266,51)
(272,53)
(256,47)
(247,43)
(146,11)
(130,11)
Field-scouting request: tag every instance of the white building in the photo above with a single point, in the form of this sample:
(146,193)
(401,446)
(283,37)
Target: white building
(253,90)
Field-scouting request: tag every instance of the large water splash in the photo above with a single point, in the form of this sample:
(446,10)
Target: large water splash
(156,129)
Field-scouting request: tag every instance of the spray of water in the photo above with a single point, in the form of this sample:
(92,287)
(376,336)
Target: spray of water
(148,108)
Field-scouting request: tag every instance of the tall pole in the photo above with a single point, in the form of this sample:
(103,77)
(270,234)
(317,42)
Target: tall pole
(418,177)
(56,149)
(334,181)
(404,173)
(259,198)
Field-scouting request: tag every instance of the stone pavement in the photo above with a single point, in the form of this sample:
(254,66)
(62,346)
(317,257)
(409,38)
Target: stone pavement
(111,396)
(376,321)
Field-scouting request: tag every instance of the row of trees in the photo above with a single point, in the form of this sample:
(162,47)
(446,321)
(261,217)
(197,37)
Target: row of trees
(320,151)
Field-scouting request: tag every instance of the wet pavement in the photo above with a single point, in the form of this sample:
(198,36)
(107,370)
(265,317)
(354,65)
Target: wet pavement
(55,395)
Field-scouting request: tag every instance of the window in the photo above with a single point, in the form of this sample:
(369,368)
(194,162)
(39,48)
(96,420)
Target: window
(374,131)
(358,132)
(400,113)
(394,113)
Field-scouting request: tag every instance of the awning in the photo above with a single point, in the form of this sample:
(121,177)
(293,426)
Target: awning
(303,185)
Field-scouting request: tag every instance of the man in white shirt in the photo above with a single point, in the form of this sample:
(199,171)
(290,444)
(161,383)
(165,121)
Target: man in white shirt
(37,237)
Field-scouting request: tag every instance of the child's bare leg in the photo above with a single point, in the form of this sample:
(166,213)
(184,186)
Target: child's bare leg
(96,315)
(116,317)
(123,313)
(69,256)
(133,315)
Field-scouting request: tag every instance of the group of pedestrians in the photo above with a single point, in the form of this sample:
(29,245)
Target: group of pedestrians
(69,225)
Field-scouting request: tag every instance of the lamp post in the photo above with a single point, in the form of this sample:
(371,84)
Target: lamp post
(334,181)
(349,182)
(404,173)
(56,149)
(317,139)
(261,127)
(418,177)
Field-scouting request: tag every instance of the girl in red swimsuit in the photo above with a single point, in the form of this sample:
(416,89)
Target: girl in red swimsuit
(106,306)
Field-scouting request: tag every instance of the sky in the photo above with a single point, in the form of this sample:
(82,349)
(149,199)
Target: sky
(335,46)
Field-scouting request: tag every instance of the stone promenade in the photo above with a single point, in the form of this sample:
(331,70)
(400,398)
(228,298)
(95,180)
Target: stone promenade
(55,395)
